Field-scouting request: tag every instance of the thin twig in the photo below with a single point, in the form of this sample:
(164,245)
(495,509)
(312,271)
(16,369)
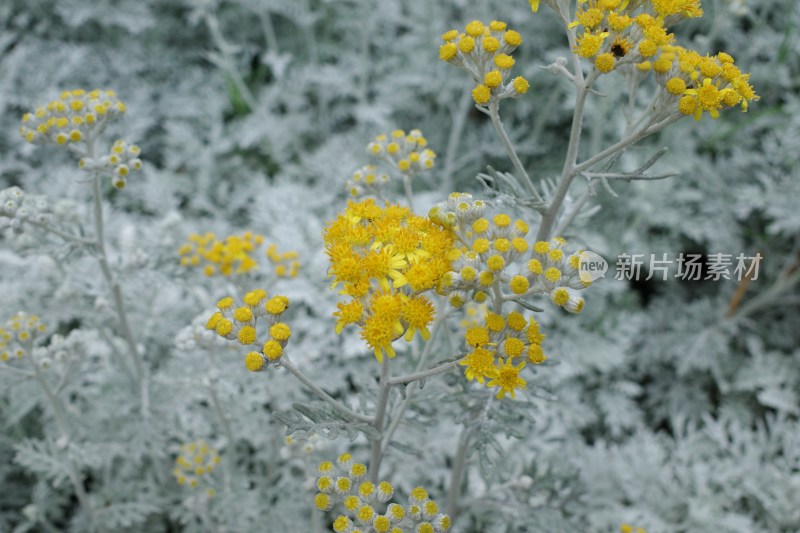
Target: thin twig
(409,191)
(416,376)
(454,140)
(64,235)
(512,153)
(116,293)
(346,411)
(626,176)
(230,453)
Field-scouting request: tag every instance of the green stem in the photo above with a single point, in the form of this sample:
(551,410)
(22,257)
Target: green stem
(459,464)
(376,456)
(460,458)
(409,191)
(568,171)
(116,293)
(230,453)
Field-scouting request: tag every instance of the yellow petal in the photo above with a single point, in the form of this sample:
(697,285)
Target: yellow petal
(425,333)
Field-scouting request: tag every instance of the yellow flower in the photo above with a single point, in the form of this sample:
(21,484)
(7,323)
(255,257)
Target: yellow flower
(589,44)
(512,38)
(481,94)
(507,378)
(418,313)
(479,363)
(386,257)
(348,313)
(521,85)
(233,255)
(447,52)
(605,62)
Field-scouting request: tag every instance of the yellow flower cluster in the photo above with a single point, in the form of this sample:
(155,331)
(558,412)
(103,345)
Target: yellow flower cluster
(285,264)
(121,161)
(196,461)
(613,28)
(496,345)
(342,483)
(703,83)
(17,335)
(367,181)
(619,32)
(385,258)
(627,528)
(493,256)
(485,52)
(233,255)
(240,324)
(406,152)
(73,117)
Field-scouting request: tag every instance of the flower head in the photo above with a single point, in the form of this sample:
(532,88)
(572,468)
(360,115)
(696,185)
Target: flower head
(507,378)
(195,464)
(241,324)
(72,118)
(18,335)
(484,50)
(363,503)
(385,259)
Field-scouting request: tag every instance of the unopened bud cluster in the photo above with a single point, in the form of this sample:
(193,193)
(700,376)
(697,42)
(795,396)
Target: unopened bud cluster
(17,335)
(484,50)
(365,505)
(120,162)
(368,181)
(195,464)
(493,255)
(76,116)
(18,207)
(628,528)
(239,323)
(404,153)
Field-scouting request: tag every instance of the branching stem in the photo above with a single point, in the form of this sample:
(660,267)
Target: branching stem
(321,394)
(61,423)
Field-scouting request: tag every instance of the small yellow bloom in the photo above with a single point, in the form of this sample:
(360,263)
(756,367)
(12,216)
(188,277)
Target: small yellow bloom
(481,94)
